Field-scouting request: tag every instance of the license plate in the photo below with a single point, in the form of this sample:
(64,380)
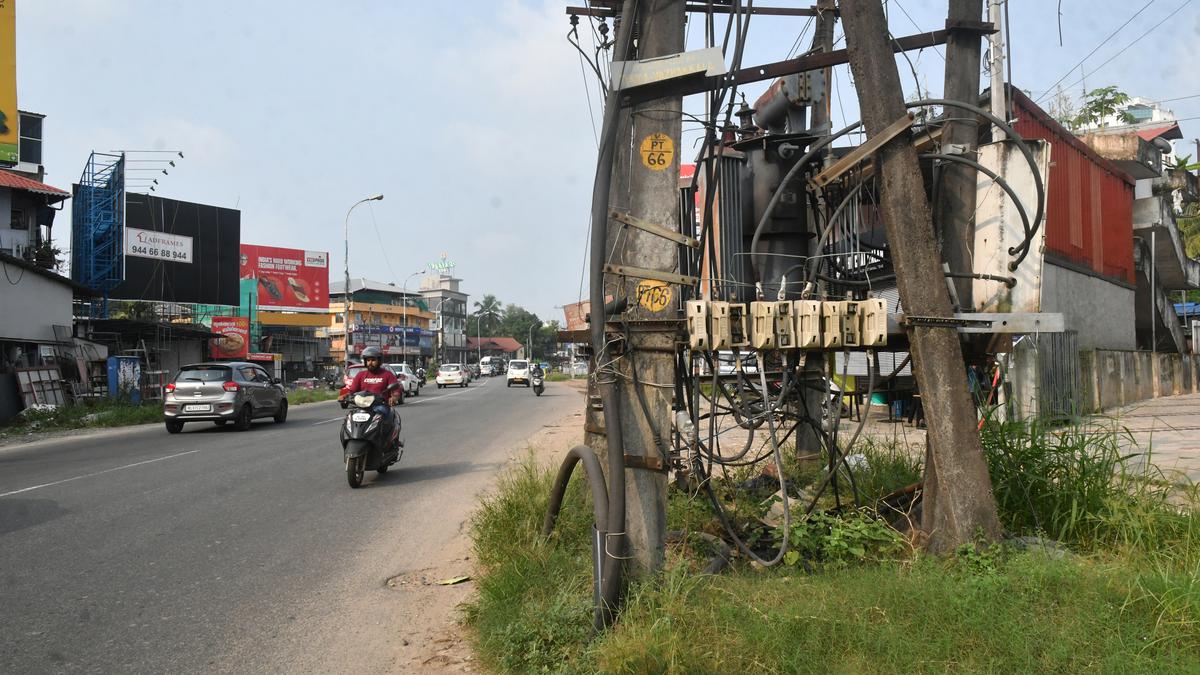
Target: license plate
(197,408)
(360,416)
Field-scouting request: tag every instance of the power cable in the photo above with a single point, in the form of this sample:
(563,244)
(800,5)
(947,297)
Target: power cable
(1094,50)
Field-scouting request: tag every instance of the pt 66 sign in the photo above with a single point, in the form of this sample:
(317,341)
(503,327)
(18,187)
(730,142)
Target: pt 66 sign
(158,245)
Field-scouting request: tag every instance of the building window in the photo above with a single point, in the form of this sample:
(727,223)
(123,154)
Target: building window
(17,221)
(31,138)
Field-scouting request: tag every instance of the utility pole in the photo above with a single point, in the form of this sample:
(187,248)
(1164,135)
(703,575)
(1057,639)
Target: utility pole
(964,505)
(996,67)
(826,21)
(649,190)
(956,207)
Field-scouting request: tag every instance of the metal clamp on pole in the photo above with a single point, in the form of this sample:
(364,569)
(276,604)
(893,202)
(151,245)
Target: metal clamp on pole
(645,463)
(657,230)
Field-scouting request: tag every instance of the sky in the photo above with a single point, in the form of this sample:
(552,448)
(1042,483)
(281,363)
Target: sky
(471,117)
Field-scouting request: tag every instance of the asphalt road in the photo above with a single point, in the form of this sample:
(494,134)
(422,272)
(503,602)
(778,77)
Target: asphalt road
(214,550)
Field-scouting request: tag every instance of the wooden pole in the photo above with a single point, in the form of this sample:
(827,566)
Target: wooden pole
(965,506)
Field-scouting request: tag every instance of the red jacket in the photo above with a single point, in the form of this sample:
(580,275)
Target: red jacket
(378,382)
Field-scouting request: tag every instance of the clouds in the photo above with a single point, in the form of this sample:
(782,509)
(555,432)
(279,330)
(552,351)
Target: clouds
(471,116)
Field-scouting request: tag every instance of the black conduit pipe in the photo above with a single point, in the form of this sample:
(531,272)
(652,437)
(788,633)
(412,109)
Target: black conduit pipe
(613,541)
(595,479)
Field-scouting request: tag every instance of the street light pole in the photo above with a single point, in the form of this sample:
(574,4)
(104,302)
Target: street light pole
(346,290)
(531,340)
(404,320)
(478,337)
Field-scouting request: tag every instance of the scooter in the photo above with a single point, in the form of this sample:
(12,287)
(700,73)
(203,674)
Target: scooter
(367,445)
(538,386)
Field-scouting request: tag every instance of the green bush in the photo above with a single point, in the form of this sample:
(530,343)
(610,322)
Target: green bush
(84,414)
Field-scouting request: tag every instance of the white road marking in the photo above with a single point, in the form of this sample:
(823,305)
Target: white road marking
(90,475)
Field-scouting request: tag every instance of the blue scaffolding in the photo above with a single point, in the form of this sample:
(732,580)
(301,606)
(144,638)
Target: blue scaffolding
(97,225)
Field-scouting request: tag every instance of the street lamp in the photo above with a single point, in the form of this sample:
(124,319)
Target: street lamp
(531,326)
(346,297)
(404,299)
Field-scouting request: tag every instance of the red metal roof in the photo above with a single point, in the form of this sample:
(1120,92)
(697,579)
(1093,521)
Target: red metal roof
(1170,131)
(18,182)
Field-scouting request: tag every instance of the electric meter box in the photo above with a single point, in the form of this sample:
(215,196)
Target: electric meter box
(807,318)
(697,319)
(762,325)
(718,314)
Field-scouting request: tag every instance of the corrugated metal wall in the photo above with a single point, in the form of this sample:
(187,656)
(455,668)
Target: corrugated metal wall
(1089,209)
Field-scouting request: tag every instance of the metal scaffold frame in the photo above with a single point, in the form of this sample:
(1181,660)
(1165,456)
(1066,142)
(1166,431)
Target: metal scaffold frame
(97,224)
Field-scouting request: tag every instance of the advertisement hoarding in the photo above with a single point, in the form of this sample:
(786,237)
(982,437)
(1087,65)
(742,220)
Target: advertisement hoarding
(289,279)
(9,119)
(235,343)
(178,251)
(158,245)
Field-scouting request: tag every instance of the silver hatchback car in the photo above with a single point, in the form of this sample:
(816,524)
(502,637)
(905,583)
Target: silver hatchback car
(223,392)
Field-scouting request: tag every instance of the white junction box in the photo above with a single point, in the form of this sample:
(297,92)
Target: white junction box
(807,318)
(873,315)
(697,321)
(762,325)
(719,337)
(831,324)
(739,336)
(785,327)
(850,323)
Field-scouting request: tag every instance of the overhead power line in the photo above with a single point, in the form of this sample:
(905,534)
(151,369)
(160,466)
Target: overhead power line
(1135,41)
(1094,50)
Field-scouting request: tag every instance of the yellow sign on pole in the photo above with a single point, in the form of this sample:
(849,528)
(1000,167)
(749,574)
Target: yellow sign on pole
(10,142)
(658,152)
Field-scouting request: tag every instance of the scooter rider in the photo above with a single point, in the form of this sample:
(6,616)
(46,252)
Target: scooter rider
(378,380)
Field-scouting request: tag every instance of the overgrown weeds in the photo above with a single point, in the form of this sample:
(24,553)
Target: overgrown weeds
(85,414)
(1129,599)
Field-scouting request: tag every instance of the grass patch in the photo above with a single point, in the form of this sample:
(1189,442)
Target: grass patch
(1128,600)
(85,414)
(564,377)
(298,396)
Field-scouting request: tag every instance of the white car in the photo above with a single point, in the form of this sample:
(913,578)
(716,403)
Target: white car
(408,379)
(518,371)
(451,373)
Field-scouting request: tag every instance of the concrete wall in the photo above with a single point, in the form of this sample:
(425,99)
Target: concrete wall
(1101,311)
(1112,379)
(31,304)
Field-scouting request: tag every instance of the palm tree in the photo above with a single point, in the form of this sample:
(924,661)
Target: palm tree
(488,310)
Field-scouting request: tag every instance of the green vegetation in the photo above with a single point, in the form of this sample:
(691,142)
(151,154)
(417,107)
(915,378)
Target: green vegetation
(298,396)
(1120,592)
(87,414)
(563,377)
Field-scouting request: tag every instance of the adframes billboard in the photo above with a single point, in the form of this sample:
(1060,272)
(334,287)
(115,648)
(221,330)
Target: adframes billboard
(289,279)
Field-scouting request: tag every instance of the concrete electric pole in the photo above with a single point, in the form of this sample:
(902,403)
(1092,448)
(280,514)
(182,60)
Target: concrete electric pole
(649,191)
(955,211)
(964,505)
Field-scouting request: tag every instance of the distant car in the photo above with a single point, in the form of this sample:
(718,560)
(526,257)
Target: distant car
(223,392)
(409,382)
(518,371)
(344,394)
(451,373)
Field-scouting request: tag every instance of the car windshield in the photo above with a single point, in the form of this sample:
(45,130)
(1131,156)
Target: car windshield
(518,365)
(449,369)
(203,374)
(354,370)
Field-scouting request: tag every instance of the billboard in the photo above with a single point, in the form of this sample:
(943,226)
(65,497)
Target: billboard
(10,142)
(178,251)
(289,279)
(236,341)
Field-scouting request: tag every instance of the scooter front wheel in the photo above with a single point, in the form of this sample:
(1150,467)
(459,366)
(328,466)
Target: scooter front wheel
(355,468)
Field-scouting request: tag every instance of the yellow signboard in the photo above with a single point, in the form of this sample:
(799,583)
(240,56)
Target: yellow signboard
(9,141)
(658,151)
(653,295)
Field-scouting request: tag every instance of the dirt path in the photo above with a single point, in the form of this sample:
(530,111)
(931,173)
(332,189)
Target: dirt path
(434,640)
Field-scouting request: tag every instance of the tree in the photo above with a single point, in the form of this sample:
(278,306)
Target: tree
(488,310)
(1099,104)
